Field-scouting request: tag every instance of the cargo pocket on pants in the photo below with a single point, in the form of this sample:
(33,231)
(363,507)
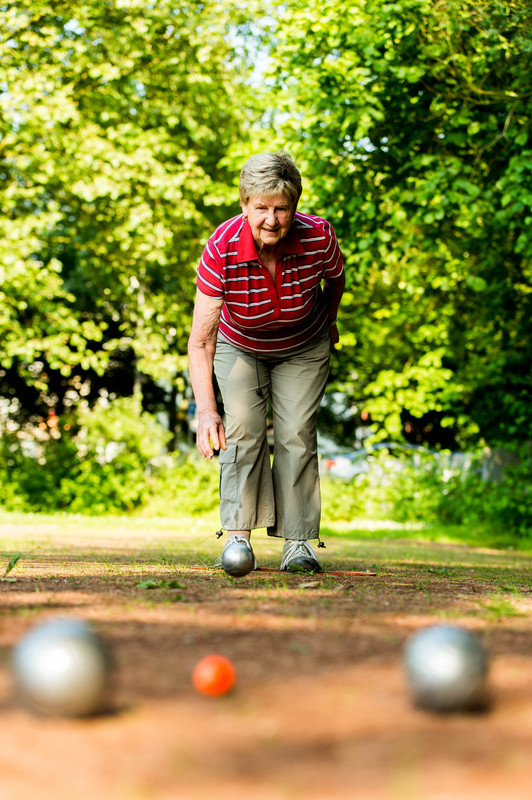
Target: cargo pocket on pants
(228,473)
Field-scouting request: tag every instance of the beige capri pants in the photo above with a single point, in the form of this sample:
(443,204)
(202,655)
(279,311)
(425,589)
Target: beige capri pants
(282,495)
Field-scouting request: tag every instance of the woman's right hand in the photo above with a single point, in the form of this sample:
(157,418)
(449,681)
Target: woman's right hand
(210,434)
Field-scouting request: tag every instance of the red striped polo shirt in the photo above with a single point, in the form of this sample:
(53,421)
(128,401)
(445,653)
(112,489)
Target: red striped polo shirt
(258,313)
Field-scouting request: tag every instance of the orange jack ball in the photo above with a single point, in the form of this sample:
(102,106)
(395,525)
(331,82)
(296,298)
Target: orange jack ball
(214,675)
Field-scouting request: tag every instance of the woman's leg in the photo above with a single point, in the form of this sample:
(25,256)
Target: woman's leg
(297,387)
(246,488)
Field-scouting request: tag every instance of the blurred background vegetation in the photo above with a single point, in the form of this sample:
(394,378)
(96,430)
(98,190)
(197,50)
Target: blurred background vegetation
(124,125)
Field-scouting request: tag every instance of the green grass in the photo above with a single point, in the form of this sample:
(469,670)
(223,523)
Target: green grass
(420,532)
(434,551)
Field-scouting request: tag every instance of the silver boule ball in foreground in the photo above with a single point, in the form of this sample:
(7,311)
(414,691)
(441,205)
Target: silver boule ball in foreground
(62,668)
(238,560)
(446,669)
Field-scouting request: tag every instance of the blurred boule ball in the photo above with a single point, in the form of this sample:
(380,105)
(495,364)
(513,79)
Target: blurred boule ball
(62,668)
(446,669)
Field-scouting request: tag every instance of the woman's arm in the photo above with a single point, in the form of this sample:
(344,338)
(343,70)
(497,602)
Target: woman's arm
(333,289)
(201,349)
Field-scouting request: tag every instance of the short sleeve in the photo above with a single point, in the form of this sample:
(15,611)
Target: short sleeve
(333,261)
(209,273)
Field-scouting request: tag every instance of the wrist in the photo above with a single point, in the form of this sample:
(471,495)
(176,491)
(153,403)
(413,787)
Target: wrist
(203,411)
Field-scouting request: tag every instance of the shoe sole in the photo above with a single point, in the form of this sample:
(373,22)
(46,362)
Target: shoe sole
(303,565)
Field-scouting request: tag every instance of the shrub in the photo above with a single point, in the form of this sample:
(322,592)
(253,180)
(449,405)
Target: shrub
(35,482)
(116,463)
(102,469)
(392,488)
(183,485)
(426,492)
(505,504)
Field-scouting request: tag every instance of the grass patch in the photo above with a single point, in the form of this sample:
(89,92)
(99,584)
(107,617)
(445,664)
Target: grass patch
(420,532)
(157,549)
(499,607)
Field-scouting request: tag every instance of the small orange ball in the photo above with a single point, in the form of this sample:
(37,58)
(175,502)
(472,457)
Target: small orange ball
(214,675)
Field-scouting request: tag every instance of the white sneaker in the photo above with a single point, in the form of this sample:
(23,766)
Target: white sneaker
(234,539)
(298,556)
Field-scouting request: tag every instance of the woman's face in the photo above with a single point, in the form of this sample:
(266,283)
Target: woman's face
(269,218)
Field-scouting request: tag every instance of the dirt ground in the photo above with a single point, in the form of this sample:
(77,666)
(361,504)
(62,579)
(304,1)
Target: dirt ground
(321,707)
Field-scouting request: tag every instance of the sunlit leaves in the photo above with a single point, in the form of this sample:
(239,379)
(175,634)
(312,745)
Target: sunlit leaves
(412,121)
(115,118)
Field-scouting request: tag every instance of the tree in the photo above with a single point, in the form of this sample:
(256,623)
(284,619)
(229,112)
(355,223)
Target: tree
(115,118)
(411,121)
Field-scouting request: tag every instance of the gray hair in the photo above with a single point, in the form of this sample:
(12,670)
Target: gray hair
(268,174)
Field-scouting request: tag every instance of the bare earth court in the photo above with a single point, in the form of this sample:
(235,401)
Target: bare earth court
(320,709)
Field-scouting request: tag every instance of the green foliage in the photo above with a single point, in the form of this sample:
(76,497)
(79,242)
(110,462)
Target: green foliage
(119,432)
(429,493)
(103,468)
(114,120)
(184,485)
(115,463)
(411,122)
(115,445)
(122,126)
(392,489)
(505,504)
(36,484)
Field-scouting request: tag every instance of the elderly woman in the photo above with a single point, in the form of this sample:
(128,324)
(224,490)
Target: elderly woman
(269,284)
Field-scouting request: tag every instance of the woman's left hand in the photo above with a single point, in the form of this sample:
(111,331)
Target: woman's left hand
(334,336)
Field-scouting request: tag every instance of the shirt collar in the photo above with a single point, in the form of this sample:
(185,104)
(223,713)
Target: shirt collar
(246,244)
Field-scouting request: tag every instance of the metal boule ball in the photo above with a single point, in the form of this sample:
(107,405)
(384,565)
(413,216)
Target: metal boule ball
(238,559)
(62,668)
(446,669)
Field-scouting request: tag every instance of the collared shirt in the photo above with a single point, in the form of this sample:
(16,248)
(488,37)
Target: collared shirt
(259,313)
